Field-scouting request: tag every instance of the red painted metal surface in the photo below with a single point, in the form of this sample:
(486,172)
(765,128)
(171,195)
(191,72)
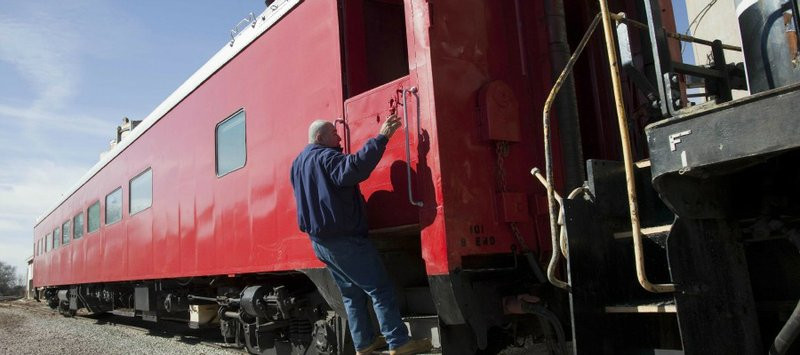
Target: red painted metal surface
(200,224)
(245,222)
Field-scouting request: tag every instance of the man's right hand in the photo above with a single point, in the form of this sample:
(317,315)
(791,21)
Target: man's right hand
(391,124)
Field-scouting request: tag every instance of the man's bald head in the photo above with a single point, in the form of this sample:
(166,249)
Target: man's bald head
(323,133)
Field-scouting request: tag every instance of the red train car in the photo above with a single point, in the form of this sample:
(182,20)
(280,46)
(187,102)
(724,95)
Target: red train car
(193,214)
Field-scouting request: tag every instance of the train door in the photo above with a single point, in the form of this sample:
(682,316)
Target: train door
(379,81)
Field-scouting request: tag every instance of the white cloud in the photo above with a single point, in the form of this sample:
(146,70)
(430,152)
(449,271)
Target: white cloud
(42,119)
(34,186)
(16,254)
(44,55)
(25,193)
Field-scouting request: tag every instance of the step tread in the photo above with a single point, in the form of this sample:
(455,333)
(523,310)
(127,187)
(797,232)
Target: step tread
(666,306)
(645,231)
(645,163)
(432,316)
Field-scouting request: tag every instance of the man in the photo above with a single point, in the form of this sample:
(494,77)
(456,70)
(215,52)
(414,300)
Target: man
(331,209)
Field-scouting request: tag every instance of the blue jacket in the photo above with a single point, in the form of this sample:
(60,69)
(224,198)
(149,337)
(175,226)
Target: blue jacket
(325,182)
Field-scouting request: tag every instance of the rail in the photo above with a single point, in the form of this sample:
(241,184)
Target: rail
(413,91)
(548,156)
(627,155)
(620,17)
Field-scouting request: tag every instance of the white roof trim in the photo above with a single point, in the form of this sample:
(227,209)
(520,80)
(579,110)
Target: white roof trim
(263,22)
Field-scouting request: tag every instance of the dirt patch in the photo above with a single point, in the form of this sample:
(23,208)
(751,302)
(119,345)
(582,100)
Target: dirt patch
(10,322)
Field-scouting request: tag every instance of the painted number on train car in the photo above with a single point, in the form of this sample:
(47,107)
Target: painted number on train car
(479,238)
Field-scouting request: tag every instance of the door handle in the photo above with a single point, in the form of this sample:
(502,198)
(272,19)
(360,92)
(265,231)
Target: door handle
(345,135)
(413,91)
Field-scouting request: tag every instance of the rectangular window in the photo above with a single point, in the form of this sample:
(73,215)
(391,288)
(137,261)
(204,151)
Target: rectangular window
(141,192)
(56,238)
(47,242)
(93,217)
(114,206)
(77,225)
(66,232)
(230,143)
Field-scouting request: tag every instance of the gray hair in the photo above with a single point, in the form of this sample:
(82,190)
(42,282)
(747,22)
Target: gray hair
(315,129)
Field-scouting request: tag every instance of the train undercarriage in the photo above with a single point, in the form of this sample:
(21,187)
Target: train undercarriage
(301,312)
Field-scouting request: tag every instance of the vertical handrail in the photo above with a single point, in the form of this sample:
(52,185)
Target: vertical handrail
(548,157)
(413,91)
(627,155)
(345,135)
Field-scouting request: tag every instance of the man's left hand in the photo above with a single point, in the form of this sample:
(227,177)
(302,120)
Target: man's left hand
(391,124)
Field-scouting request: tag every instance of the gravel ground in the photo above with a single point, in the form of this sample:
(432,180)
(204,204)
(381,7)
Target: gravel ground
(29,327)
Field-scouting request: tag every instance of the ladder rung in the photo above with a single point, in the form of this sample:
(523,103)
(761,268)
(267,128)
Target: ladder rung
(643,308)
(645,231)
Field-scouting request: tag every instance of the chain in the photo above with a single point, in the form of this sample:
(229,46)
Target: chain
(501,150)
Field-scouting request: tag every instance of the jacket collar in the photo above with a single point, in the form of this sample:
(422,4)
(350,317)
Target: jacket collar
(312,146)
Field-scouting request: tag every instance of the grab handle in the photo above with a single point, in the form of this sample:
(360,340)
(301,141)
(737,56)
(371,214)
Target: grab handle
(412,90)
(345,134)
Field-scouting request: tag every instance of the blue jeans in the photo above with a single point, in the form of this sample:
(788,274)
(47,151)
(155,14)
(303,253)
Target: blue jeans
(358,271)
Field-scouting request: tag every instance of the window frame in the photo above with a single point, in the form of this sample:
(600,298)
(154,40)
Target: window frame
(56,238)
(130,192)
(66,232)
(121,206)
(75,235)
(99,217)
(216,142)
(47,242)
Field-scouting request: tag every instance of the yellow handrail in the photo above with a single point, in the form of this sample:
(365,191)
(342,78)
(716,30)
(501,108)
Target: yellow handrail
(626,153)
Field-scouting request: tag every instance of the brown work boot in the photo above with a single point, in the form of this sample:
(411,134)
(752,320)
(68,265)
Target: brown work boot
(413,347)
(378,343)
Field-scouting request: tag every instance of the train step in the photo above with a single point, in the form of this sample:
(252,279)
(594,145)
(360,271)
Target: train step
(665,306)
(632,319)
(424,326)
(657,234)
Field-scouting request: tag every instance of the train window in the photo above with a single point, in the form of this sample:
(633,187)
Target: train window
(66,232)
(114,206)
(141,192)
(77,225)
(47,242)
(56,238)
(93,217)
(230,143)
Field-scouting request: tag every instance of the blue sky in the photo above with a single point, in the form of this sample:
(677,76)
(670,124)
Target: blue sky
(681,24)
(69,72)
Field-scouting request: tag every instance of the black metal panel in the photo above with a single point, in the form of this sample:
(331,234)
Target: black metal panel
(326,286)
(606,181)
(589,267)
(751,127)
(461,324)
(144,298)
(764,42)
(716,311)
